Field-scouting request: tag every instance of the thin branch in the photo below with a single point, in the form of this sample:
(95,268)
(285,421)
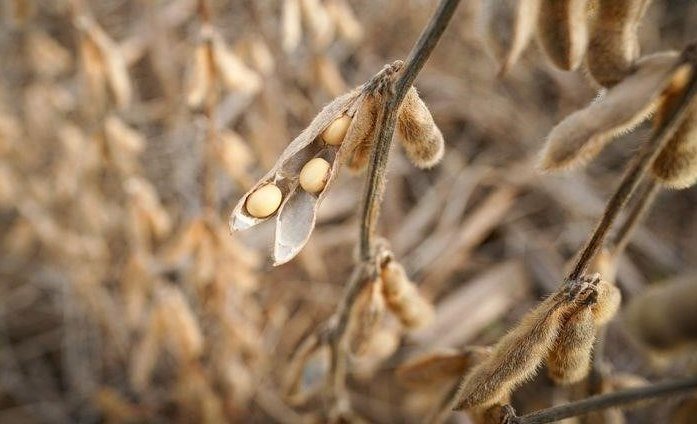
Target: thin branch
(375,184)
(609,400)
(638,167)
(373,193)
(636,215)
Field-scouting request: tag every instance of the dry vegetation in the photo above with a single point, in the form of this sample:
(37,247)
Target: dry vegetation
(131,130)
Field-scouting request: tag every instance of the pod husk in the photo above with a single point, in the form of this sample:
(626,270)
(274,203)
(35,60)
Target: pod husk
(584,133)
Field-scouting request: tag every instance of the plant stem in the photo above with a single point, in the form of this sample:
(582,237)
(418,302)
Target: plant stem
(375,183)
(636,215)
(374,190)
(638,167)
(609,400)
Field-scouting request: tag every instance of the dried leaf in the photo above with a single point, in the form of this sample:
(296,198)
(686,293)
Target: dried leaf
(584,133)
(440,367)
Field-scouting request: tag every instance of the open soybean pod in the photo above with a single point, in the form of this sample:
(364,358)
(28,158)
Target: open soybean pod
(509,25)
(562,30)
(583,134)
(614,45)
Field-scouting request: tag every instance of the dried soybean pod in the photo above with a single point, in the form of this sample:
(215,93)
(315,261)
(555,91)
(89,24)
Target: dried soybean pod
(664,317)
(359,139)
(607,303)
(583,134)
(418,133)
(509,25)
(614,46)
(367,313)
(569,359)
(403,298)
(517,355)
(676,165)
(440,366)
(562,30)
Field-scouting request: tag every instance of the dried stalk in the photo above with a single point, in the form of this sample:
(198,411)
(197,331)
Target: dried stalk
(635,216)
(637,169)
(374,191)
(595,403)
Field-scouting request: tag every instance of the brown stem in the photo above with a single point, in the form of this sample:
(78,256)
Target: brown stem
(374,190)
(636,215)
(638,168)
(609,400)
(375,183)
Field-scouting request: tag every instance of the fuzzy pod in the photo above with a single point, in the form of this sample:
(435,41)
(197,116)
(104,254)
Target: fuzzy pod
(516,357)
(569,360)
(403,298)
(583,134)
(363,134)
(509,26)
(367,314)
(607,302)
(676,165)
(614,45)
(439,367)
(418,133)
(562,30)
(664,317)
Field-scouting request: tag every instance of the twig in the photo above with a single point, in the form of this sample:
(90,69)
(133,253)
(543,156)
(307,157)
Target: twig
(636,215)
(374,190)
(638,168)
(608,400)
(375,184)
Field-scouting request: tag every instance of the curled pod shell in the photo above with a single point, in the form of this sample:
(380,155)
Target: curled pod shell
(517,355)
(583,134)
(614,45)
(418,133)
(562,30)
(508,26)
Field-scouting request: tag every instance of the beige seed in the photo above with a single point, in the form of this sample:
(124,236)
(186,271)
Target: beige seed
(265,201)
(335,132)
(314,175)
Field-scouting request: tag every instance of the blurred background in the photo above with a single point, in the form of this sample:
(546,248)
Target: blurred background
(123,297)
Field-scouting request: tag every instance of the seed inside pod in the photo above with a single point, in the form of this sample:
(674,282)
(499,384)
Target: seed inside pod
(313,176)
(264,201)
(335,132)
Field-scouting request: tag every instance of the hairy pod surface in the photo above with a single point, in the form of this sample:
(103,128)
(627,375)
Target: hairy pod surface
(583,134)
(367,314)
(403,298)
(676,165)
(440,366)
(516,357)
(569,359)
(562,30)
(614,46)
(418,133)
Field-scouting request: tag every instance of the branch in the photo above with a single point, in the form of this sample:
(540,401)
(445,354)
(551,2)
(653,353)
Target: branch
(639,166)
(595,403)
(636,215)
(375,184)
(374,190)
